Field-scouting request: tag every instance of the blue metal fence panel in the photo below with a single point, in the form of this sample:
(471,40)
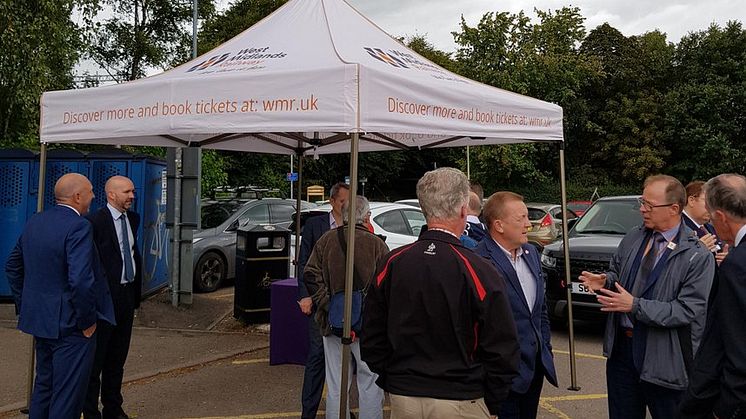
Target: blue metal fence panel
(155,236)
(14,177)
(19,174)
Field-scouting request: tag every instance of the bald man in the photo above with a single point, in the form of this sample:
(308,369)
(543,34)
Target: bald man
(115,235)
(55,281)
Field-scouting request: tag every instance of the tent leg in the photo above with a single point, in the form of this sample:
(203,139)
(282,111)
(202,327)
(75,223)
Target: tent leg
(39,208)
(296,257)
(349,268)
(566,247)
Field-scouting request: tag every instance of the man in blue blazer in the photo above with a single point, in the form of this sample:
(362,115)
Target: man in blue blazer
(57,284)
(507,248)
(696,217)
(716,383)
(314,373)
(117,248)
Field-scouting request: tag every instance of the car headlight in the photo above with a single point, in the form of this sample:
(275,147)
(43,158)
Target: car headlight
(548,261)
(196,239)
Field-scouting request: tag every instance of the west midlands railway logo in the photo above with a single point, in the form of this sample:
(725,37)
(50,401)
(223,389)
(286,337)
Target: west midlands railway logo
(244,57)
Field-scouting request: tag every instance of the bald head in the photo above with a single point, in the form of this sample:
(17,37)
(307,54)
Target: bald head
(120,192)
(475,204)
(75,190)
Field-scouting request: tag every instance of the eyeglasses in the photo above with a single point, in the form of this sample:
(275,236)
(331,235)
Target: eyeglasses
(649,207)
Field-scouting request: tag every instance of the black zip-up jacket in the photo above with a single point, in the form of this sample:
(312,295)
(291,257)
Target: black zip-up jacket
(438,324)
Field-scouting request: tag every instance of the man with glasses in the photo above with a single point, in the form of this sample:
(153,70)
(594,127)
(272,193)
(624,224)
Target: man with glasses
(656,292)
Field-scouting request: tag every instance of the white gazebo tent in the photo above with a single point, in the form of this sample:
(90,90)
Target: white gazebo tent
(314,77)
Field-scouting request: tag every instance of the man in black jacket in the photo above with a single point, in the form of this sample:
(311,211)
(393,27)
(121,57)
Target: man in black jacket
(438,327)
(717,384)
(115,235)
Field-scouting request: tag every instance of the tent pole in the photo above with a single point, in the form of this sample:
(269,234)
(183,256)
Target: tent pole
(296,257)
(468,163)
(39,208)
(349,269)
(568,279)
(176,265)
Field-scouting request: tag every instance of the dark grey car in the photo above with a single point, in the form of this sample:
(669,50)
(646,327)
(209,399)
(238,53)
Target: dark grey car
(214,247)
(593,240)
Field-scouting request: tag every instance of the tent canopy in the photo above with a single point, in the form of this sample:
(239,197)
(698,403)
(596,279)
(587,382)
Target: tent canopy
(301,81)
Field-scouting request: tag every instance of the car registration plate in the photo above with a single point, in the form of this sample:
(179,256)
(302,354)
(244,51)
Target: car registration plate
(580,288)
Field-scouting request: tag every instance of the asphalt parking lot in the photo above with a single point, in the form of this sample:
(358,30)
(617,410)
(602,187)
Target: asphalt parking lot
(200,363)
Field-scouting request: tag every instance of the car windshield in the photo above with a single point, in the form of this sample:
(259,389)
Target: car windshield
(610,217)
(216,213)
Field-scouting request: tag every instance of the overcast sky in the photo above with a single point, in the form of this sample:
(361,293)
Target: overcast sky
(438,18)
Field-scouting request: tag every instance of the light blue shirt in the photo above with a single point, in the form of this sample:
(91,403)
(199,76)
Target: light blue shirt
(116,215)
(525,276)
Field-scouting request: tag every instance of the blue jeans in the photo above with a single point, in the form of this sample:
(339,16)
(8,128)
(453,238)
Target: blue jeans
(628,396)
(314,374)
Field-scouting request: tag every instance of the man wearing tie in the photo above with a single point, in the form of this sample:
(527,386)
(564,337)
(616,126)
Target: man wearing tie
(716,388)
(656,292)
(697,218)
(115,235)
(507,248)
(53,275)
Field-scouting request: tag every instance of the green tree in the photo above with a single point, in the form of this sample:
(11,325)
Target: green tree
(706,108)
(536,59)
(39,45)
(624,129)
(241,15)
(142,35)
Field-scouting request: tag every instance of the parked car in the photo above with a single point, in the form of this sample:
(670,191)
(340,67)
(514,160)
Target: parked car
(214,246)
(579,207)
(413,202)
(399,223)
(546,222)
(593,240)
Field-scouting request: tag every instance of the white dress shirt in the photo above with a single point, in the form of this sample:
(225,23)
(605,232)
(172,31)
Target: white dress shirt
(116,215)
(525,276)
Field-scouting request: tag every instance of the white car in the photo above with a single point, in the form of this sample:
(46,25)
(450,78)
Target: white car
(400,224)
(413,202)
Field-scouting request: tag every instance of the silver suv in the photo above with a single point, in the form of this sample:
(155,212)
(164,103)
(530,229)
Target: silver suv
(593,240)
(214,247)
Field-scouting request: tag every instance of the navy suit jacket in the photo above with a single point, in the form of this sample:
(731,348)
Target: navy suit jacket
(105,236)
(719,371)
(532,327)
(708,227)
(314,228)
(52,272)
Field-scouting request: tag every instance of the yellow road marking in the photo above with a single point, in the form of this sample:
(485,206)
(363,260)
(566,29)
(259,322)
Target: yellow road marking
(273,415)
(579,354)
(251,361)
(545,404)
(551,409)
(574,397)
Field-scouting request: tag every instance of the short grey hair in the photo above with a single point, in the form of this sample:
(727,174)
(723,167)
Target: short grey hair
(727,192)
(362,208)
(442,193)
(334,192)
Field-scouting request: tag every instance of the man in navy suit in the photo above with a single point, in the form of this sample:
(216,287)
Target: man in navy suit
(55,279)
(697,218)
(716,385)
(518,262)
(115,235)
(313,376)
(474,231)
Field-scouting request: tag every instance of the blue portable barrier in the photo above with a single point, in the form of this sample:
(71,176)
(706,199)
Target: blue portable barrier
(19,178)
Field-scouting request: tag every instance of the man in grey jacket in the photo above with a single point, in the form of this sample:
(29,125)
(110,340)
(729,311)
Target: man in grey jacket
(656,292)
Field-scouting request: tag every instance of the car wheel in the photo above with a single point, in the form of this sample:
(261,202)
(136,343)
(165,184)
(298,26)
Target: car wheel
(210,272)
